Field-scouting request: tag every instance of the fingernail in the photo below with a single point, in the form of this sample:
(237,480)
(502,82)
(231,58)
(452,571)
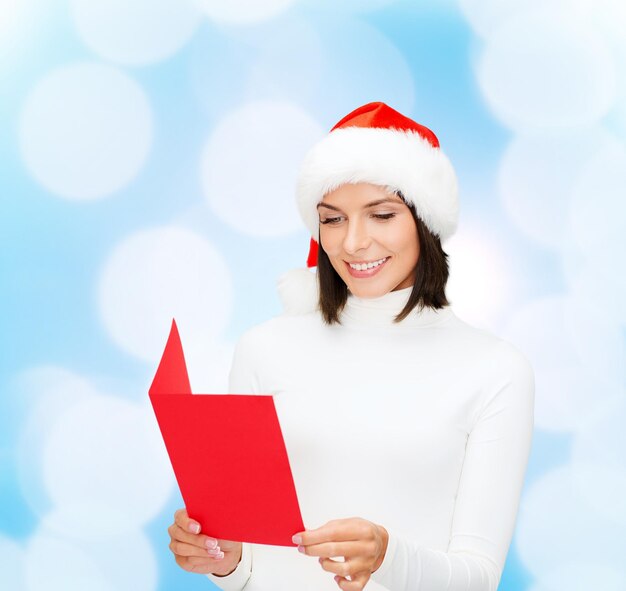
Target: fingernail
(211,543)
(213,551)
(219,556)
(194,528)
(301,549)
(296,539)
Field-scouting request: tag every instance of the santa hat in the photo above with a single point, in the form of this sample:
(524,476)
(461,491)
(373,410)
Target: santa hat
(373,144)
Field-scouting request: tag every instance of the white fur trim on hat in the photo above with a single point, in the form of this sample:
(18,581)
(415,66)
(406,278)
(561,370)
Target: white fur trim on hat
(298,291)
(400,159)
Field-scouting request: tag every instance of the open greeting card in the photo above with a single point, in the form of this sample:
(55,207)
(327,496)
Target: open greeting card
(228,455)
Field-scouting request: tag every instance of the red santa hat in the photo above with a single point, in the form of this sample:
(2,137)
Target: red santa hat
(373,144)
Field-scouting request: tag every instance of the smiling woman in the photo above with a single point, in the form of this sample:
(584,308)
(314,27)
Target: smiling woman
(381,237)
(408,430)
(362,243)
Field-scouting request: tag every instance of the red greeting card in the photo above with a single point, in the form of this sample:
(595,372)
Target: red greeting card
(228,455)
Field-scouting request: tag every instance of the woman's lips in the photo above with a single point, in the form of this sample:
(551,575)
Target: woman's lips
(367,272)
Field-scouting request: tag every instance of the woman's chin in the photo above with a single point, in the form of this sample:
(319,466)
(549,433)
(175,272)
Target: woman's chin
(367,291)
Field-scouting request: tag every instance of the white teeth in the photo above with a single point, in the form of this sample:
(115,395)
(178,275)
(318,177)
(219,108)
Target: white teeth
(359,267)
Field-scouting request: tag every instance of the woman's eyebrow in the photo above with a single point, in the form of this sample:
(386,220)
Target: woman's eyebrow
(371,204)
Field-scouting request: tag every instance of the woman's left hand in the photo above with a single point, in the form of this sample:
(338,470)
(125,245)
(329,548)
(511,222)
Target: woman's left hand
(363,545)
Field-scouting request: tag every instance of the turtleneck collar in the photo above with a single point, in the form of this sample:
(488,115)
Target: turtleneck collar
(361,312)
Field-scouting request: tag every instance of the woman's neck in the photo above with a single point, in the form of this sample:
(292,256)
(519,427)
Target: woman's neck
(381,311)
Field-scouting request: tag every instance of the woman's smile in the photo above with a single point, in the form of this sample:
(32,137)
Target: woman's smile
(365,270)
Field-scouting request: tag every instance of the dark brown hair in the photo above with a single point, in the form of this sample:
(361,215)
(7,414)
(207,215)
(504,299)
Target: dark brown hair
(431,275)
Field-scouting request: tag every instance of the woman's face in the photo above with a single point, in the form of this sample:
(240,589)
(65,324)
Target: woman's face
(362,223)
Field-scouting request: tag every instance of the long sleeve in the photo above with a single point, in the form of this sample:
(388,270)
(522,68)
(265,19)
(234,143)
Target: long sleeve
(488,494)
(241,380)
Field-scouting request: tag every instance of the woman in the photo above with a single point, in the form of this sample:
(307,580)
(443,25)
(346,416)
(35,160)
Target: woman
(408,430)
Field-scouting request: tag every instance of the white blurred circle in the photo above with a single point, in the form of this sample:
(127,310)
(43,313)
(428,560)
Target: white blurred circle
(480,281)
(361,65)
(138,32)
(543,71)
(292,75)
(619,113)
(249,167)
(21,22)
(243,12)
(49,392)
(485,16)
(598,210)
(577,353)
(599,461)
(537,175)
(158,274)
(582,576)
(11,564)
(120,563)
(108,452)
(584,281)
(356,6)
(556,526)
(85,130)
(56,564)
(87,519)
(47,388)
(8,14)
(610,17)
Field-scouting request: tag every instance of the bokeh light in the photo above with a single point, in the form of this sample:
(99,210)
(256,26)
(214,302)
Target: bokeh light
(570,531)
(85,130)
(160,274)
(538,176)
(243,12)
(544,71)
(480,281)
(136,33)
(249,167)
(105,452)
(577,357)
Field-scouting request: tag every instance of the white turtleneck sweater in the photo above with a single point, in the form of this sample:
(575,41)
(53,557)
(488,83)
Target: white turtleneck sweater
(423,427)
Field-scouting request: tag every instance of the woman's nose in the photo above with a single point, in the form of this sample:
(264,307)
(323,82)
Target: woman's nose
(357,237)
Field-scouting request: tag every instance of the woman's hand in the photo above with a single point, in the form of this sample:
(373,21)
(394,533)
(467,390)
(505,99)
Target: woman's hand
(197,553)
(363,545)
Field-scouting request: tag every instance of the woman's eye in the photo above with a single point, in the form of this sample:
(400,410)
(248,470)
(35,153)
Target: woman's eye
(380,216)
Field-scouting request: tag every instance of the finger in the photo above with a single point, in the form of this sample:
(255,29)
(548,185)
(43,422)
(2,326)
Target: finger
(351,529)
(353,583)
(201,541)
(329,549)
(197,565)
(213,562)
(343,569)
(182,520)
(183,562)
(227,545)
(182,549)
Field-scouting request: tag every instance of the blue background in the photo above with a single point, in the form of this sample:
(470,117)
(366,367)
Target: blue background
(524,265)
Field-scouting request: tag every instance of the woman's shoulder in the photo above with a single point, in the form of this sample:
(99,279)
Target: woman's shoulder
(497,350)
(263,347)
(281,328)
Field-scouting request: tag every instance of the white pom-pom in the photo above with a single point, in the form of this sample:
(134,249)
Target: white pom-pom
(298,291)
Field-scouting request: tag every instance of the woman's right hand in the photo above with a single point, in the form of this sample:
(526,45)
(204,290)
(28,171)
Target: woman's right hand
(195,552)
